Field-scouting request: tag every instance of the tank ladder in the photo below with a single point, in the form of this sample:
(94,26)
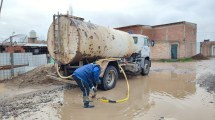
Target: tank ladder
(56,30)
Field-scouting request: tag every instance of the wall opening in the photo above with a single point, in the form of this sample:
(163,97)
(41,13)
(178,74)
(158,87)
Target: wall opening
(174,51)
(213,51)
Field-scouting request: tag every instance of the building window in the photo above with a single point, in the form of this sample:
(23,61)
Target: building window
(135,40)
(2,49)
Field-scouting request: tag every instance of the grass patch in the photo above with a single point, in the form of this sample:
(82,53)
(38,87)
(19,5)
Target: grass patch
(177,60)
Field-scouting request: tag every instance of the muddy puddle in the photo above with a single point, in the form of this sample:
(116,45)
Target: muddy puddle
(164,95)
(172,91)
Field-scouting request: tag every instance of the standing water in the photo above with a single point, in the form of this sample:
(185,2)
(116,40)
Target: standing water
(172,91)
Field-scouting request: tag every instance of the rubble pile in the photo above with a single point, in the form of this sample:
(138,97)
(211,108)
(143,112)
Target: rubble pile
(36,76)
(199,57)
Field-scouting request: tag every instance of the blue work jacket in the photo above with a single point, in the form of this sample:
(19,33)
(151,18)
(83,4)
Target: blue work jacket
(89,73)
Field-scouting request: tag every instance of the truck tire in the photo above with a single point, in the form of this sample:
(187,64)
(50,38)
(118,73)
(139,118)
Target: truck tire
(109,79)
(146,68)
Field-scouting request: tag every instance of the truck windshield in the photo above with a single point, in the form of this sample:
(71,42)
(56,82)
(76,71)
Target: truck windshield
(135,40)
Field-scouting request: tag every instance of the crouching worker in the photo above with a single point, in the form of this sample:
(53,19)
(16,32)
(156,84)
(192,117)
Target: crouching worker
(86,77)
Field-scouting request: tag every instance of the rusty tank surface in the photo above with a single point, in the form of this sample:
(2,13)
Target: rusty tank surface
(70,39)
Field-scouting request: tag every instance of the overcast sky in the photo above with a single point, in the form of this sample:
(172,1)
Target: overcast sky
(21,16)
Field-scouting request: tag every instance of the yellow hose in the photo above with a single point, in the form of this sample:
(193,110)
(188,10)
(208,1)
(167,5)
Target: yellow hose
(63,77)
(104,99)
(128,91)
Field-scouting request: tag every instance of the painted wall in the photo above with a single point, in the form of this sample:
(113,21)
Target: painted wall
(181,33)
(20,59)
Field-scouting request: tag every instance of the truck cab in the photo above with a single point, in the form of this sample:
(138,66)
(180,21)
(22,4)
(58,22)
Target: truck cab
(142,43)
(139,61)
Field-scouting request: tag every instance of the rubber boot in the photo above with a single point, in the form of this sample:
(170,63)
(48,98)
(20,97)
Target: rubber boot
(87,105)
(87,102)
(86,99)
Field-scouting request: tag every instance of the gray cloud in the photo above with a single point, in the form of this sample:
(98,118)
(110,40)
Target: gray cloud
(22,17)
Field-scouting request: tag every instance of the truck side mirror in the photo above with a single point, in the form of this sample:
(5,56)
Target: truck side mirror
(152,43)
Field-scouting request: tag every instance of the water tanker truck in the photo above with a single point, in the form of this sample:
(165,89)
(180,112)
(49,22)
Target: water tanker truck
(72,42)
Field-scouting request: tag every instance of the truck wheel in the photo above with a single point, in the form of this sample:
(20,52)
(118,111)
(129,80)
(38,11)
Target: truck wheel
(109,79)
(146,68)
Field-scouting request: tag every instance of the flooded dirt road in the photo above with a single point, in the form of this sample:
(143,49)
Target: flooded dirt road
(172,91)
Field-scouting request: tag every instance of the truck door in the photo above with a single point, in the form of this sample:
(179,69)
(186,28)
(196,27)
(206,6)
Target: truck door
(142,45)
(145,49)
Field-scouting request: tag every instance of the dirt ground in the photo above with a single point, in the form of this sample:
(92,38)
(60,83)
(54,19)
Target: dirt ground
(172,91)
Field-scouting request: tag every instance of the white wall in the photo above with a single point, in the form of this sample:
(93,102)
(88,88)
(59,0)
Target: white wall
(197,47)
(20,59)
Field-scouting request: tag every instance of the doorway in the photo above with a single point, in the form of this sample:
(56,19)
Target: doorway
(174,51)
(213,51)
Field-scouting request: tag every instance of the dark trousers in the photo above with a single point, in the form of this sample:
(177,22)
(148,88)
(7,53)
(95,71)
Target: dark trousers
(84,86)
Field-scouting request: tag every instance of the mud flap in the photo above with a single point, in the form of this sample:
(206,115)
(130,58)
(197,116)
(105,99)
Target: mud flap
(142,63)
(150,63)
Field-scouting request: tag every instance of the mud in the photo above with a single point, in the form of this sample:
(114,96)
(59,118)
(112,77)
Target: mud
(35,77)
(172,91)
(28,102)
(2,88)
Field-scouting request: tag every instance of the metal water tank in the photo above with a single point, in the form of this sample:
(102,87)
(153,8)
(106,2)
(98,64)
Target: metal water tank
(77,39)
(32,34)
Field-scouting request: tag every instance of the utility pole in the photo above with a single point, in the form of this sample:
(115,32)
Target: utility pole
(11,57)
(1,6)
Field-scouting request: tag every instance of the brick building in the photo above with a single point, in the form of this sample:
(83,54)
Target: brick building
(32,45)
(20,44)
(172,41)
(207,48)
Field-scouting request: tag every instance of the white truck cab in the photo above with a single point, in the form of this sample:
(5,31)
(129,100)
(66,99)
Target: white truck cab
(139,61)
(142,44)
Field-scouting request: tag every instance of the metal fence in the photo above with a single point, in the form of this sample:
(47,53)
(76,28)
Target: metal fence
(17,63)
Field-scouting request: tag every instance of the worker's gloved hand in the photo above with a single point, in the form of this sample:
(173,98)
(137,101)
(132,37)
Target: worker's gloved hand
(94,89)
(94,95)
